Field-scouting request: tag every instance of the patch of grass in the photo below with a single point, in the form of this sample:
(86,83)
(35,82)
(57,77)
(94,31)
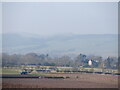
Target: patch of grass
(46,74)
(10,71)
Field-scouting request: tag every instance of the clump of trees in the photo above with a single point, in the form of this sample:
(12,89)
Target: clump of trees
(80,60)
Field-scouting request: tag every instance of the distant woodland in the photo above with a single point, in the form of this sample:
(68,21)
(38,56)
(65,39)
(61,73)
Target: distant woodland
(80,60)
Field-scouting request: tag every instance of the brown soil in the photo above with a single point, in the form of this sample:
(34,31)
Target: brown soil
(83,81)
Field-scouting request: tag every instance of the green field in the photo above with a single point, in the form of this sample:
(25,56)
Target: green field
(10,71)
(17,70)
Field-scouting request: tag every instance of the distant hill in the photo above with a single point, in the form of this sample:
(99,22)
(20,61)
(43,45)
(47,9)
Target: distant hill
(96,44)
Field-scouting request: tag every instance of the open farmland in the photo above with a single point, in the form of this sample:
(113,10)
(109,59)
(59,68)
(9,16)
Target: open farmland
(75,81)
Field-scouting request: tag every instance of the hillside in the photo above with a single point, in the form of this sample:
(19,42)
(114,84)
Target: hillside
(102,44)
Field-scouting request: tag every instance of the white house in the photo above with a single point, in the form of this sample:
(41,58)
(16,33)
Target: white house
(90,62)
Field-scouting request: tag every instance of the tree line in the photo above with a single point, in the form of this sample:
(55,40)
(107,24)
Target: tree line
(80,60)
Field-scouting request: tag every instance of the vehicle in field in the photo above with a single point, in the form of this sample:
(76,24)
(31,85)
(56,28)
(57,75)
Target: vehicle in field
(24,73)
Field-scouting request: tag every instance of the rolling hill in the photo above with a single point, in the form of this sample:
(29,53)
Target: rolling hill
(96,44)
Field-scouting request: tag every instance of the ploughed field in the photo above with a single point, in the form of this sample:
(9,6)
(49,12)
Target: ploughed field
(76,80)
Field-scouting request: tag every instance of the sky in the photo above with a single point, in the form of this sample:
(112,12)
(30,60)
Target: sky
(50,18)
(0,17)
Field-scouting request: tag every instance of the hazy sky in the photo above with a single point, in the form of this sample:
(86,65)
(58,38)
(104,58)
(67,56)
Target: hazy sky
(60,18)
(0,17)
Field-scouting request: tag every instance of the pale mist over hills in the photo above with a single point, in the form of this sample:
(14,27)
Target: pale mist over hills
(60,28)
(63,44)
